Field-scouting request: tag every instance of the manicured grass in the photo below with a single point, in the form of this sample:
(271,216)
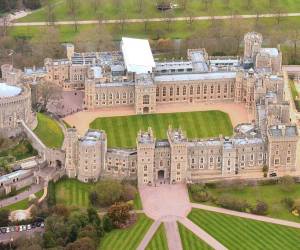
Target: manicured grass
(128,238)
(49,131)
(21,151)
(122,131)
(137,202)
(295,94)
(271,194)
(114,9)
(239,233)
(72,192)
(159,240)
(22,204)
(190,241)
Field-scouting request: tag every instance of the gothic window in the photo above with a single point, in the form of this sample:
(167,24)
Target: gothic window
(110,96)
(191,90)
(157,91)
(212,89)
(146,99)
(205,89)
(145,168)
(118,96)
(184,90)
(161,163)
(211,160)
(288,160)
(201,160)
(164,91)
(228,162)
(198,90)
(177,91)
(124,95)
(225,88)
(219,89)
(131,94)
(193,160)
(178,165)
(171,91)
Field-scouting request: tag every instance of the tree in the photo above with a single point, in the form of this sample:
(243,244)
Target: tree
(88,231)
(48,92)
(129,192)
(287,183)
(107,224)
(98,39)
(140,4)
(56,231)
(261,208)
(82,244)
(49,6)
(183,4)
(4,218)
(34,242)
(95,4)
(73,8)
(61,210)
(108,192)
(119,214)
(294,38)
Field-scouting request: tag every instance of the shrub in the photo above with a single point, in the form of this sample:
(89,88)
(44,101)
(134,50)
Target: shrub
(261,208)
(287,183)
(201,196)
(232,203)
(119,214)
(288,202)
(51,197)
(129,192)
(196,188)
(296,206)
(107,224)
(268,182)
(211,185)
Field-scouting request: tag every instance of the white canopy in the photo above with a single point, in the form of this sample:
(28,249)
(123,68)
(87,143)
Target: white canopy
(137,55)
(9,90)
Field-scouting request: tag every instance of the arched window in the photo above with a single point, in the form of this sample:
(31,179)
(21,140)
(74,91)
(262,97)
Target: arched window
(177,91)
(205,89)
(124,95)
(219,88)
(146,99)
(131,94)
(157,91)
(171,91)
(160,163)
(164,91)
(184,90)
(103,96)
(191,90)
(198,90)
(118,95)
(110,96)
(211,89)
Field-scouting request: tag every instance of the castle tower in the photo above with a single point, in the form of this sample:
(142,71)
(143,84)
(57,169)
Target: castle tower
(70,49)
(179,159)
(89,93)
(145,157)
(282,147)
(92,150)
(252,43)
(70,146)
(145,95)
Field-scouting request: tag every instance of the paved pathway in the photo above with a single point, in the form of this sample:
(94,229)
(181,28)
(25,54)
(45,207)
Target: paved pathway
(201,234)
(173,236)
(33,189)
(141,20)
(147,238)
(247,215)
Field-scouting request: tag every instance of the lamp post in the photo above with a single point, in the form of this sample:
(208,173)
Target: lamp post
(11,54)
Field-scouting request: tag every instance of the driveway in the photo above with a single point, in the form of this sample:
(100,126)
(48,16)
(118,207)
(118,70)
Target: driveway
(165,201)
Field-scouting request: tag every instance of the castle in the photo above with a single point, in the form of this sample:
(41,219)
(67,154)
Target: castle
(131,77)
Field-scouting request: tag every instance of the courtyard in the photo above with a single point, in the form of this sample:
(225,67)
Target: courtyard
(236,112)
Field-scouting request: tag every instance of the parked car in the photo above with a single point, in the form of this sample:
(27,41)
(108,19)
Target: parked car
(42,224)
(7,230)
(28,227)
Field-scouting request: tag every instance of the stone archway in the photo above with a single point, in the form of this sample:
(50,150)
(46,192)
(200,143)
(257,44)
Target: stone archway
(161,174)
(146,110)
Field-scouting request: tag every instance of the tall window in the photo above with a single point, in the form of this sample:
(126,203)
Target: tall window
(164,91)
(205,89)
(184,90)
(198,90)
(177,91)
(157,91)
(191,90)
(212,89)
(146,99)
(171,91)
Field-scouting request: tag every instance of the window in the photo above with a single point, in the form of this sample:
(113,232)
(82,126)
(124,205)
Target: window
(198,90)
(157,91)
(145,168)
(177,91)
(276,161)
(191,90)
(164,91)
(146,99)
(184,90)
(288,160)
(124,95)
(212,89)
(205,89)
(118,96)
(171,91)
(219,89)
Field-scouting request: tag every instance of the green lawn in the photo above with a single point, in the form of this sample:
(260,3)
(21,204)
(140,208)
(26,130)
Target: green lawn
(72,192)
(23,204)
(114,9)
(159,240)
(239,233)
(251,194)
(122,131)
(49,131)
(126,239)
(137,202)
(190,241)
(295,94)
(21,151)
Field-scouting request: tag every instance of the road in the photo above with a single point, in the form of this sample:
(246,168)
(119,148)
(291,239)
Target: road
(142,20)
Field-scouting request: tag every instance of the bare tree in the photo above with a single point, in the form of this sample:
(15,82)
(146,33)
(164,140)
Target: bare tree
(48,93)
(4,21)
(140,4)
(49,6)
(184,4)
(73,9)
(168,18)
(95,4)
(294,38)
